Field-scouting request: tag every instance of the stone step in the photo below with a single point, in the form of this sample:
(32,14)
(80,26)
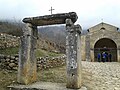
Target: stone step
(43,86)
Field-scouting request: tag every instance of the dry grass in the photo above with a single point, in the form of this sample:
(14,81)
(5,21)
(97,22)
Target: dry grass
(7,78)
(53,75)
(57,75)
(50,75)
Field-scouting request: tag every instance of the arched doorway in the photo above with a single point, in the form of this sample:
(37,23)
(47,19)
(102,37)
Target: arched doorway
(108,46)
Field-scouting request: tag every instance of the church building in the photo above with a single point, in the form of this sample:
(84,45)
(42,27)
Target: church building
(101,38)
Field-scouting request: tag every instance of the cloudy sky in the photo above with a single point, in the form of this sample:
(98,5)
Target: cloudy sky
(90,12)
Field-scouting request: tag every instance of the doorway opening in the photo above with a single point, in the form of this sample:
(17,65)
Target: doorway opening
(105,47)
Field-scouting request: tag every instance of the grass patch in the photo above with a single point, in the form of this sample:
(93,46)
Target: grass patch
(51,54)
(9,51)
(39,52)
(7,78)
(42,53)
(57,75)
(50,75)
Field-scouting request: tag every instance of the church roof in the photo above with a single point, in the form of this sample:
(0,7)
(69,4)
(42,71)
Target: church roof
(103,25)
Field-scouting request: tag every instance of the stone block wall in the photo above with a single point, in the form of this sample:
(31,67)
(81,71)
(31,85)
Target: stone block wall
(47,62)
(11,62)
(7,41)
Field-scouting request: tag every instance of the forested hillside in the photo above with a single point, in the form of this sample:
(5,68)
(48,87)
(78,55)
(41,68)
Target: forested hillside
(14,28)
(56,34)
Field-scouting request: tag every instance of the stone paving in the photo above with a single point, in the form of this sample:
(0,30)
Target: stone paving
(101,76)
(43,86)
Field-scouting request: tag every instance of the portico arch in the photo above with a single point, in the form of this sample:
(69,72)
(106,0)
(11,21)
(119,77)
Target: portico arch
(105,45)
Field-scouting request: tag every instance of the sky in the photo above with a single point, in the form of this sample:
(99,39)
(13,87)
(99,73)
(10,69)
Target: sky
(90,12)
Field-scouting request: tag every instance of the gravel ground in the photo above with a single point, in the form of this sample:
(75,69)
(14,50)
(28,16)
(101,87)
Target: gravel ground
(101,76)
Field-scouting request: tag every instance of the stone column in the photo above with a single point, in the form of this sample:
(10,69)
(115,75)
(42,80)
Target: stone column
(73,55)
(118,55)
(92,55)
(27,62)
(87,47)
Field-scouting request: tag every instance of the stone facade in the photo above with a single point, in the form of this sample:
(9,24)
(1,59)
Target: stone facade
(101,38)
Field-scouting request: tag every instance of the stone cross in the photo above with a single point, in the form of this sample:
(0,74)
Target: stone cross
(51,10)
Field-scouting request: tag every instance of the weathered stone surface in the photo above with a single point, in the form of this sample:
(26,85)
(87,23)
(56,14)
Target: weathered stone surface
(45,63)
(12,64)
(51,19)
(43,86)
(7,41)
(73,55)
(27,63)
(42,62)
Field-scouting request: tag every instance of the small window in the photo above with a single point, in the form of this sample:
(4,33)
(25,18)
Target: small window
(103,28)
(88,30)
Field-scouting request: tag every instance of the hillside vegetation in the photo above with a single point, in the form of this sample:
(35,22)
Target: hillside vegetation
(56,34)
(53,33)
(14,28)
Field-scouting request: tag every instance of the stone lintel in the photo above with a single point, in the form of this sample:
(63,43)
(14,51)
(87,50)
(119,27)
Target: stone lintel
(51,19)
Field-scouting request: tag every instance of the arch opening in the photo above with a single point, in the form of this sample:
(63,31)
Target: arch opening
(105,50)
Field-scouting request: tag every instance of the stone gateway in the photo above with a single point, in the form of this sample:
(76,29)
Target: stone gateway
(27,70)
(102,38)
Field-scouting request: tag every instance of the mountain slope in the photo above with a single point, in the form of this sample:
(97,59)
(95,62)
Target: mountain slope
(56,34)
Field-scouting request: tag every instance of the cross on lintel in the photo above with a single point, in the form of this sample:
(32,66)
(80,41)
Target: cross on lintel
(102,20)
(51,10)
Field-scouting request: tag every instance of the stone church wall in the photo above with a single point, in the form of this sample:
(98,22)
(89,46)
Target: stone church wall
(83,45)
(103,30)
